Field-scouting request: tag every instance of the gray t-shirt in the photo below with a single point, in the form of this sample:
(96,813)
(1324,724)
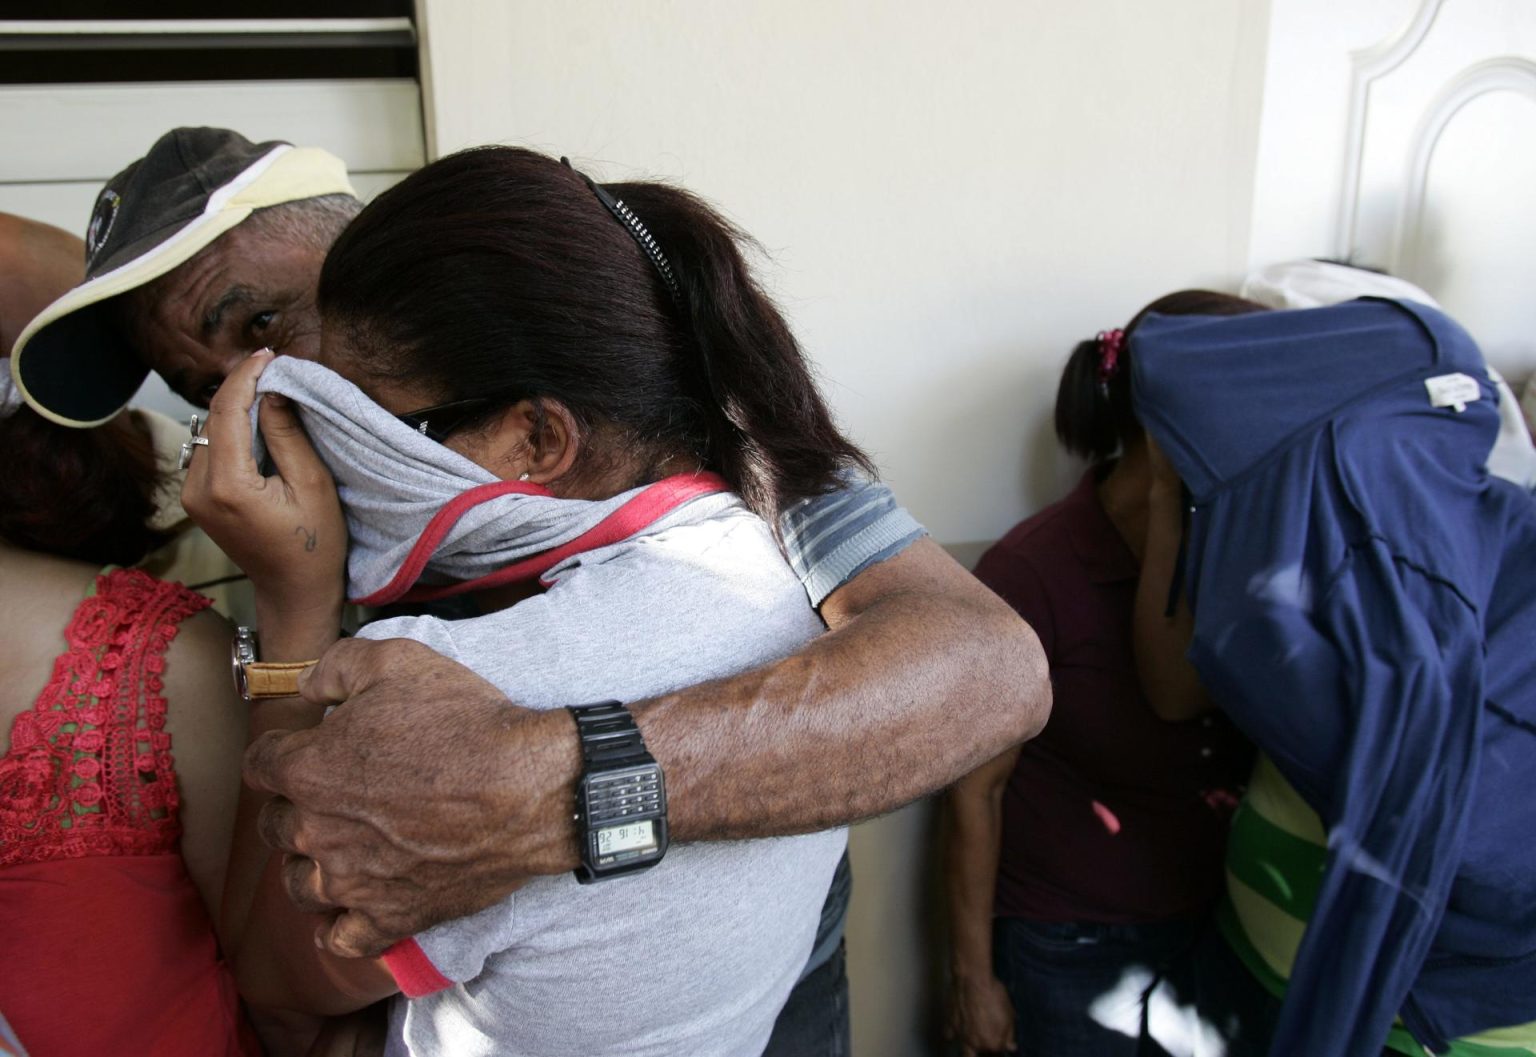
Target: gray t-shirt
(689,959)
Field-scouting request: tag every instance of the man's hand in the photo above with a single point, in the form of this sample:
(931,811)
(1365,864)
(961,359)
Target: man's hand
(981,1016)
(426,796)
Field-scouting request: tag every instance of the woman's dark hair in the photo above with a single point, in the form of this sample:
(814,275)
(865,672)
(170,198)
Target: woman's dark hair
(88,494)
(1094,417)
(497,271)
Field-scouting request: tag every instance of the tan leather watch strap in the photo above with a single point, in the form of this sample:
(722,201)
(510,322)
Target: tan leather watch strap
(266,679)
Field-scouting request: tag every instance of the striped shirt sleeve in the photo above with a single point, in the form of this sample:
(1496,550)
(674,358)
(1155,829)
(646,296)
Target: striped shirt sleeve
(832,538)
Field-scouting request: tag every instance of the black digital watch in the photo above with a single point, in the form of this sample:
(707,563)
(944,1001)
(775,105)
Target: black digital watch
(621,800)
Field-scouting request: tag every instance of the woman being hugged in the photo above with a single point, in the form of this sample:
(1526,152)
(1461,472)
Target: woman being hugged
(1081,862)
(575,404)
(119,779)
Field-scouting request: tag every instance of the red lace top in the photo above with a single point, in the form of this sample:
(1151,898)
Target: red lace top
(106,944)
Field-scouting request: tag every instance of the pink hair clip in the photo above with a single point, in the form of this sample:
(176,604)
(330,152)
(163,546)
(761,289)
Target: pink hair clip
(1110,344)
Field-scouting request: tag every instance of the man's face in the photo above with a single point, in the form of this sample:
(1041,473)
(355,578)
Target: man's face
(248,290)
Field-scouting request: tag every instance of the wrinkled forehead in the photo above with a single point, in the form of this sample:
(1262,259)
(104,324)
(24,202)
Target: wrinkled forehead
(239,266)
(174,295)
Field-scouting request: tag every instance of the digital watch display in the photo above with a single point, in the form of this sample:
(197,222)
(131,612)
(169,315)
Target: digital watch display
(621,799)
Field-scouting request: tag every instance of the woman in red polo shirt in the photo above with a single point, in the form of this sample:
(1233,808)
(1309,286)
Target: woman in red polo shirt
(1079,862)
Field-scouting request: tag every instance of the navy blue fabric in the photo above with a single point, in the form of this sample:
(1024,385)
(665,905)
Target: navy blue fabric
(1365,610)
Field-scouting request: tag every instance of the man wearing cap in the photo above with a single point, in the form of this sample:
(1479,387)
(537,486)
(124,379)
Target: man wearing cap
(202,251)
(209,248)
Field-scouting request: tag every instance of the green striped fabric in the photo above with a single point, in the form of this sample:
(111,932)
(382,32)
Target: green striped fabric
(1275,859)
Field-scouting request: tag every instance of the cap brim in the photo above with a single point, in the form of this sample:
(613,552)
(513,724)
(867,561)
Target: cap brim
(72,364)
(86,386)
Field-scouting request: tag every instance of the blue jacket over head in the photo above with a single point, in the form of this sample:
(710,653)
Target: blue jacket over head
(1364,598)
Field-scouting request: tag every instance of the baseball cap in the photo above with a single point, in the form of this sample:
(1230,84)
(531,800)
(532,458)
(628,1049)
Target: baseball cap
(71,363)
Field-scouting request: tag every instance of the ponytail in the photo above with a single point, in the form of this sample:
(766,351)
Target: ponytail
(767,429)
(497,272)
(1095,417)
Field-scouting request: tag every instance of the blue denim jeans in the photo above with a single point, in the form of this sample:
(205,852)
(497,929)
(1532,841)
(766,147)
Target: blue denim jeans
(814,1022)
(1079,988)
(1210,993)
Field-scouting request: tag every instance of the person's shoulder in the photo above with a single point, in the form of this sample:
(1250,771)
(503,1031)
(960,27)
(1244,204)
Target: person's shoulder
(203,711)
(140,596)
(198,654)
(817,525)
(729,559)
(38,263)
(733,533)
(1046,533)
(720,532)
(721,576)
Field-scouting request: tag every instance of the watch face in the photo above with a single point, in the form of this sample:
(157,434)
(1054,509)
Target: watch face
(625,816)
(631,836)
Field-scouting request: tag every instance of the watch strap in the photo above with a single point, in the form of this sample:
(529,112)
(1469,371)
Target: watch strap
(268,679)
(609,736)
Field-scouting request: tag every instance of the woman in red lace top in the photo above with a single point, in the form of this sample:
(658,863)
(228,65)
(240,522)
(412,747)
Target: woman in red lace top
(120,775)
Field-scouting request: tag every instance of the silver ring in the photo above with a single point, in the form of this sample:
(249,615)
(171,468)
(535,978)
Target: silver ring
(196,425)
(185,458)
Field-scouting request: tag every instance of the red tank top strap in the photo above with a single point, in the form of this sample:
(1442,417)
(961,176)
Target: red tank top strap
(89,769)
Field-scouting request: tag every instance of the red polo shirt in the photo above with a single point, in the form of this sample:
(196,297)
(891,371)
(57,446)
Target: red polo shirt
(1112,815)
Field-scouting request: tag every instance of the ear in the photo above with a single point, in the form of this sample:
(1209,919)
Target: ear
(555,440)
(539,438)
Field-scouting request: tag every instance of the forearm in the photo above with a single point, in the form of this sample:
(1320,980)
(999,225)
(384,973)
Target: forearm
(285,636)
(923,686)
(972,837)
(249,855)
(925,675)
(1169,681)
(270,942)
(297,630)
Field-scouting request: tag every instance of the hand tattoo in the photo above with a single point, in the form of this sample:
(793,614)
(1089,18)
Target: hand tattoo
(310,538)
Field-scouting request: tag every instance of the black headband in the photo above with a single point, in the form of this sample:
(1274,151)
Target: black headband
(637,231)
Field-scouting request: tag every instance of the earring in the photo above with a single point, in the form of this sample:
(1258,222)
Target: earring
(524,476)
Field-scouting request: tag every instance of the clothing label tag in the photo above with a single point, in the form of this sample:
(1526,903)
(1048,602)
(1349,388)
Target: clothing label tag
(1452,390)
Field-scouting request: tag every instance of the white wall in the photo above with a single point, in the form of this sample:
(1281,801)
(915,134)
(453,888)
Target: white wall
(952,194)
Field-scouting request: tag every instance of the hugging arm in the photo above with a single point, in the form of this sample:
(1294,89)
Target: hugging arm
(428,795)
(924,675)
